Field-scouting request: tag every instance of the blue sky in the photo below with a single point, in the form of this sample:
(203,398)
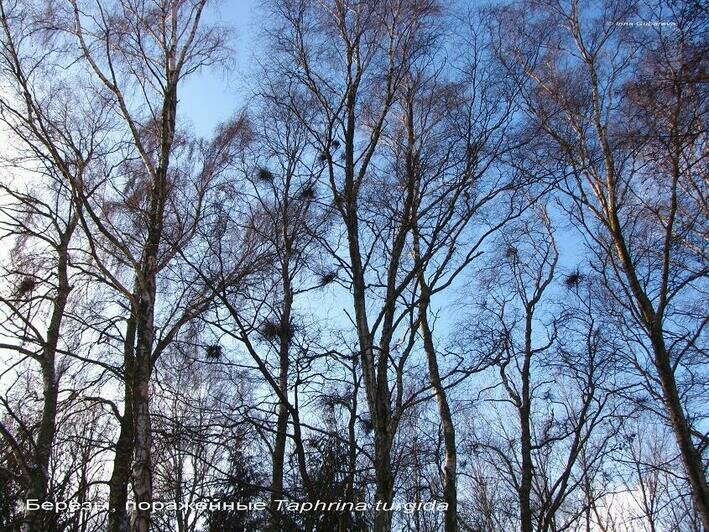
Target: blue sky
(212,95)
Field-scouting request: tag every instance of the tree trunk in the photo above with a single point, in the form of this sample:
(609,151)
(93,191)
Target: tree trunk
(145,319)
(40,520)
(375,382)
(384,480)
(142,462)
(279,449)
(345,519)
(450,495)
(525,485)
(691,459)
(118,520)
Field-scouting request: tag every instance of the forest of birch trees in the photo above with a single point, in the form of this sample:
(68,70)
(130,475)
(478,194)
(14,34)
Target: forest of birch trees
(443,269)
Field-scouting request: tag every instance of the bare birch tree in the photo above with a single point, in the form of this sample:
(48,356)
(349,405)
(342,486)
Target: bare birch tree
(56,137)
(623,116)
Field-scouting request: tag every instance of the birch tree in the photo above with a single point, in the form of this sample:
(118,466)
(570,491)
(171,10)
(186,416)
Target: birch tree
(623,117)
